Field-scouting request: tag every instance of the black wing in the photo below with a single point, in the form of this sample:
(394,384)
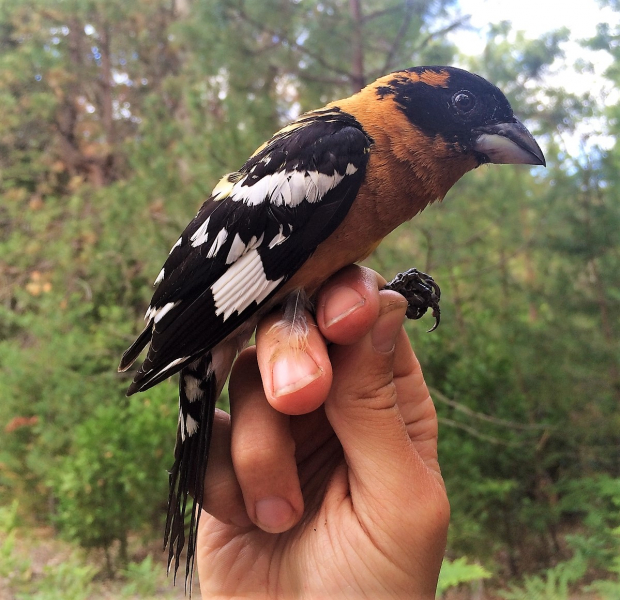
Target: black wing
(255,231)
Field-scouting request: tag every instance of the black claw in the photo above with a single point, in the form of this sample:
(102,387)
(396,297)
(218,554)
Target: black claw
(421,293)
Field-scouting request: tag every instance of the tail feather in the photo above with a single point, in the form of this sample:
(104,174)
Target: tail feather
(198,391)
(130,355)
(200,384)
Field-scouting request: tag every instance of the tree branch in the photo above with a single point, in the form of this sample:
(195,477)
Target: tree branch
(475,433)
(388,65)
(292,43)
(380,13)
(437,395)
(441,32)
(319,79)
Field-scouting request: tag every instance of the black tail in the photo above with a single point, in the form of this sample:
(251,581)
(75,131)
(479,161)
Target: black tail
(130,355)
(197,397)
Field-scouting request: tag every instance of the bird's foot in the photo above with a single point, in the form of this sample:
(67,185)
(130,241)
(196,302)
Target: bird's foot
(421,293)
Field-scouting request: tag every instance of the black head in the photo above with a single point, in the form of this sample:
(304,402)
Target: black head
(466,110)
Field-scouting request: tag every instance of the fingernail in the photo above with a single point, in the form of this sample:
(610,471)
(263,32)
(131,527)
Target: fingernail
(241,520)
(293,371)
(386,329)
(274,514)
(340,303)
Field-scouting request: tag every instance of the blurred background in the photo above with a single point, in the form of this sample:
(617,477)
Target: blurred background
(116,120)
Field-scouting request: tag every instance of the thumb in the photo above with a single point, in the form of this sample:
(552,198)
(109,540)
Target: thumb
(387,476)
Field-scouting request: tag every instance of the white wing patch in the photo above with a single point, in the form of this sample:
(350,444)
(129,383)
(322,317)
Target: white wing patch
(283,188)
(236,249)
(176,245)
(201,234)
(256,194)
(160,277)
(243,283)
(163,311)
(318,184)
(158,313)
(288,188)
(217,244)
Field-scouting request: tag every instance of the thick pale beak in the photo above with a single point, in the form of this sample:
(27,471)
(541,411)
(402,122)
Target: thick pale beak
(508,144)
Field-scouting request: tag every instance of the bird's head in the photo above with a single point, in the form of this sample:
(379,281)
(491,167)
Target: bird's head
(470,115)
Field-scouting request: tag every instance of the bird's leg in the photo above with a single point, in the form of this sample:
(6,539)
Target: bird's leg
(421,293)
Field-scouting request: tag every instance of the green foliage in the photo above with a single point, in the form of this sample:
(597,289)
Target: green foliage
(106,489)
(609,589)
(455,572)
(553,585)
(67,574)
(141,578)
(596,549)
(597,501)
(9,518)
(13,567)
(69,580)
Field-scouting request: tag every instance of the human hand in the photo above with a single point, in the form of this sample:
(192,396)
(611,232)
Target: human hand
(330,488)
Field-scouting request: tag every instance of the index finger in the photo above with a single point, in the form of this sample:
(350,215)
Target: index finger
(297,376)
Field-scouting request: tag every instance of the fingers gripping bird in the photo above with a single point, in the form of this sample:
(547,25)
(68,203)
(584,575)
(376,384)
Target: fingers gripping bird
(319,195)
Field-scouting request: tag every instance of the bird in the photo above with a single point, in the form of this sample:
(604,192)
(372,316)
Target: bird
(319,195)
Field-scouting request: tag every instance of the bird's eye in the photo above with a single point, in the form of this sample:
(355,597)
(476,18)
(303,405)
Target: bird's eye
(464,101)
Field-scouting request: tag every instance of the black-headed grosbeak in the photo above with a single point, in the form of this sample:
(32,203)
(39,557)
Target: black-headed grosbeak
(319,195)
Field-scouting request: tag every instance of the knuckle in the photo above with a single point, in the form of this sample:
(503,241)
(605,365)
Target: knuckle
(374,392)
